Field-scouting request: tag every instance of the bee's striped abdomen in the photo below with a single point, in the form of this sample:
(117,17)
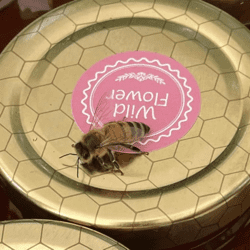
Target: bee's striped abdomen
(138,129)
(123,129)
(125,132)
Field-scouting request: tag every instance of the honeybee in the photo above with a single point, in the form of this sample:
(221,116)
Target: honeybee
(96,149)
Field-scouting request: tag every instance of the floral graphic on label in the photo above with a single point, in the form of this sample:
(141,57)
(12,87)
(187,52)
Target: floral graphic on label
(139,87)
(141,76)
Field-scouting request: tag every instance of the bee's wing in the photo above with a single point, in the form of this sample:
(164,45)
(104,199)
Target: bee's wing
(124,148)
(110,141)
(133,133)
(102,111)
(120,148)
(124,145)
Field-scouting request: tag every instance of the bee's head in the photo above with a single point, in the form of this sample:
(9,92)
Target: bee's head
(82,151)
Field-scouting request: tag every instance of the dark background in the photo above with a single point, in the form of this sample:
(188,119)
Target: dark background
(13,20)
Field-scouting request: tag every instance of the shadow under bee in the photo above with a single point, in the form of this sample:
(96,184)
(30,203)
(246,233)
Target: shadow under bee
(125,159)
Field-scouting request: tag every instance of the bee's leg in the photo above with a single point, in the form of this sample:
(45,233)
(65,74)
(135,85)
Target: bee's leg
(114,162)
(102,163)
(67,155)
(77,162)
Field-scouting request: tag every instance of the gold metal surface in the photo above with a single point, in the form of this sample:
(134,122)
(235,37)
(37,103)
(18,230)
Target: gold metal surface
(48,234)
(194,183)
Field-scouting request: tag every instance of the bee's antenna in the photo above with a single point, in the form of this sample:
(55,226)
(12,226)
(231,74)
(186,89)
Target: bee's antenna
(66,155)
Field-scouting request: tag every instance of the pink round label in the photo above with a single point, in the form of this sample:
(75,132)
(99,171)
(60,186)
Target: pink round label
(138,87)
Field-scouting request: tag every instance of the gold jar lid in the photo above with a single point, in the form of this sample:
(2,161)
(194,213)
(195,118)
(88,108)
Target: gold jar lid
(49,234)
(200,182)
